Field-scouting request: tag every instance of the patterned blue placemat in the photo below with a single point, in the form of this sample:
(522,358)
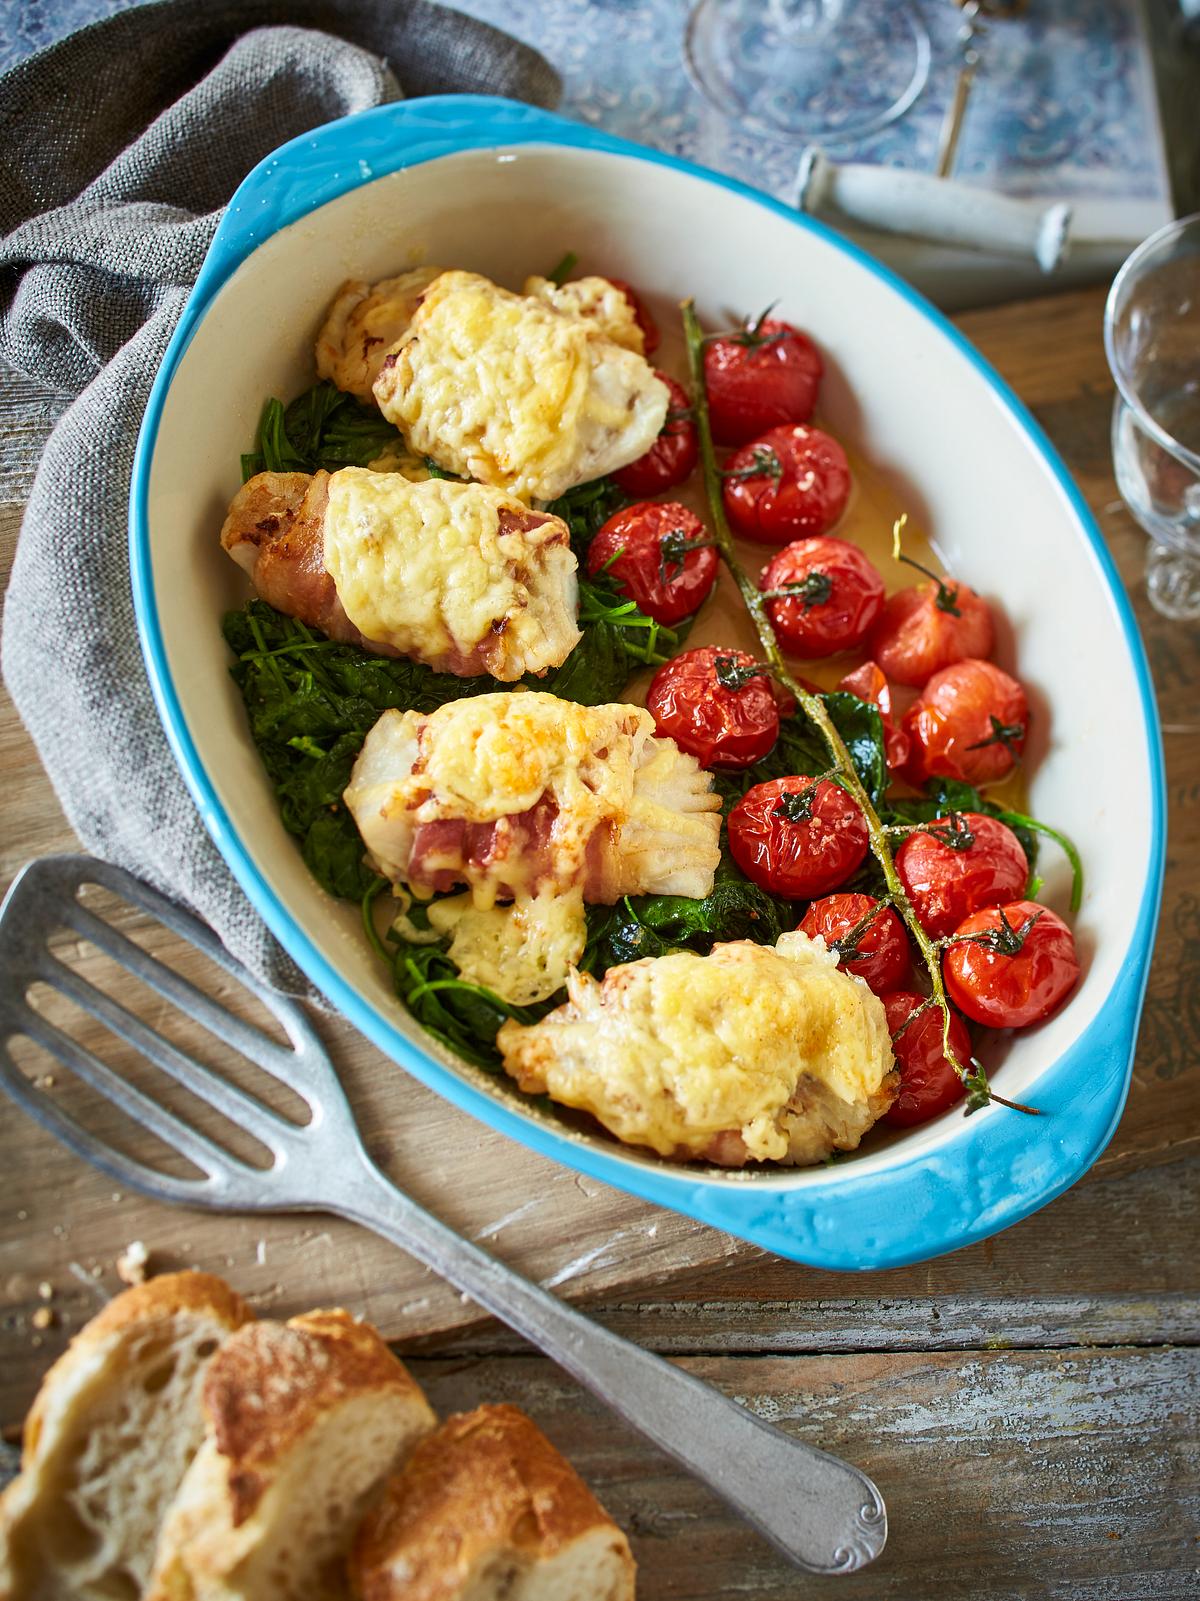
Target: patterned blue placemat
(1064,106)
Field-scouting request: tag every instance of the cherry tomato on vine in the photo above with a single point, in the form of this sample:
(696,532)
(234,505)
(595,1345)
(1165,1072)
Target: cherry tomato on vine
(869,683)
(718,705)
(650,335)
(672,457)
(929,1083)
(835,594)
(797,837)
(658,554)
(926,628)
(867,934)
(1009,966)
(765,374)
(790,484)
(957,864)
(969,722)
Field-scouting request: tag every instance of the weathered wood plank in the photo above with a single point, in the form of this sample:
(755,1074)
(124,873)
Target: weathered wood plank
(726,1327)
(1008,1476)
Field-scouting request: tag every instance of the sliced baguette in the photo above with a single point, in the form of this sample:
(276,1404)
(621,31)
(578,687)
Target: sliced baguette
(113,1428)
(487,1510)
(305,1420)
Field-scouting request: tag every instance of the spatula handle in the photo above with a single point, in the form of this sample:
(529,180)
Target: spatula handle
(823,1514)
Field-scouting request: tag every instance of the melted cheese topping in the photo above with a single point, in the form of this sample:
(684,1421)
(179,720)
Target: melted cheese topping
(630,813)
(362,324)
(598,301)
(678,1051)
(424,567)
(522,952)
(504,389)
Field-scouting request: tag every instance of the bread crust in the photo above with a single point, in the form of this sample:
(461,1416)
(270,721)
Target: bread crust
(486,1483)
(264,1390)
(278,1398)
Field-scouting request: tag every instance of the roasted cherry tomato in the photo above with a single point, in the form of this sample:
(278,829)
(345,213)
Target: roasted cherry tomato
(867,935)
(765,374)
(928,1082)
(658,554)
(797,837)
(672,457)
(718,705)
(789,484)
(1009,966)
(834,595)
(926,628)
(968,722)
(957,864)
(869,683)
(650,334)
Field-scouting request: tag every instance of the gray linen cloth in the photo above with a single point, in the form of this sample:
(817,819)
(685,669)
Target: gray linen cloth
(118,148)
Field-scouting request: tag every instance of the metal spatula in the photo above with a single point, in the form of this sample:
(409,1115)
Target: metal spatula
(823,1514)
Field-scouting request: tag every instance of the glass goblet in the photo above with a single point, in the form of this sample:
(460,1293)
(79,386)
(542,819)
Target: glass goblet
(1152,338)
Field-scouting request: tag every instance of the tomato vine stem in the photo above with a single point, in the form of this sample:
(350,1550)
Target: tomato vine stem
(979,1091)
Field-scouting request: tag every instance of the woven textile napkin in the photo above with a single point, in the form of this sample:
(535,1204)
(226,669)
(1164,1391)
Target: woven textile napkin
(118,148)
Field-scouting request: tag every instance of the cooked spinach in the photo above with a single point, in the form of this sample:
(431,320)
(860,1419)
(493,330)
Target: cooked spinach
(652,925)
(323,427)
(801,750)
(945,795)
(311,703)
(585,510)
(466,1017)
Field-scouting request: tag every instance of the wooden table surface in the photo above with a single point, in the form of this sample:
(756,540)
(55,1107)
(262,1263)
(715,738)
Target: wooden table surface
(1030,1406)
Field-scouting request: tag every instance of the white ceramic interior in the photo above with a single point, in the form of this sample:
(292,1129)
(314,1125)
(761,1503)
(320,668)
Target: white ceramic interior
(898,390)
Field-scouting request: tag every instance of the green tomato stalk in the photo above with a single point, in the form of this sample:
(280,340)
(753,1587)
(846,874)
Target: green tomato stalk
(979,1092)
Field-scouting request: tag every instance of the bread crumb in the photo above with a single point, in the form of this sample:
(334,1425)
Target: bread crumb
(131,1264)
(46,1290)
(48,1081)
(97,1270)
(43,1318)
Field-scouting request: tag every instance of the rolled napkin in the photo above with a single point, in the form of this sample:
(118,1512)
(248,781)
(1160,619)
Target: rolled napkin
(122,144)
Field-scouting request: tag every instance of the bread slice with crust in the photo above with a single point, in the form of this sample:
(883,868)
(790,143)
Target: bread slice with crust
(113,1428)
(305,1420)
(487,1510)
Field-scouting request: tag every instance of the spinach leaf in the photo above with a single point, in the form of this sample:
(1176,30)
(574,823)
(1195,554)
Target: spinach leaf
(617,639)
(944,795)
(466,1017)
(584,509)
(801,750)
(652,925)
(323,427)
(861,726)
(311,703)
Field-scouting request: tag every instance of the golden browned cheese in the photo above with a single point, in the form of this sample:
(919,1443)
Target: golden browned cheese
(362,324)
(504,389)
(749,1053)
(596,299)
(462,577)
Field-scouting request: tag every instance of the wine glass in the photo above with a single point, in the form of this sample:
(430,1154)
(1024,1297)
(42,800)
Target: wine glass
(1152,338)
(825,70)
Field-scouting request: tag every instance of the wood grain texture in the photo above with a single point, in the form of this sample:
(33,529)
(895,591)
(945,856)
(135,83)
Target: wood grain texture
(1007,1474)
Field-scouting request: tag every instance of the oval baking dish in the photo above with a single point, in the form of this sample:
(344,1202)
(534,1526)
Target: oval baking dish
(503,189)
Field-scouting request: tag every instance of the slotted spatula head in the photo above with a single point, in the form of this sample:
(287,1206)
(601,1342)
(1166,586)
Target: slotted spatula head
(43,901)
